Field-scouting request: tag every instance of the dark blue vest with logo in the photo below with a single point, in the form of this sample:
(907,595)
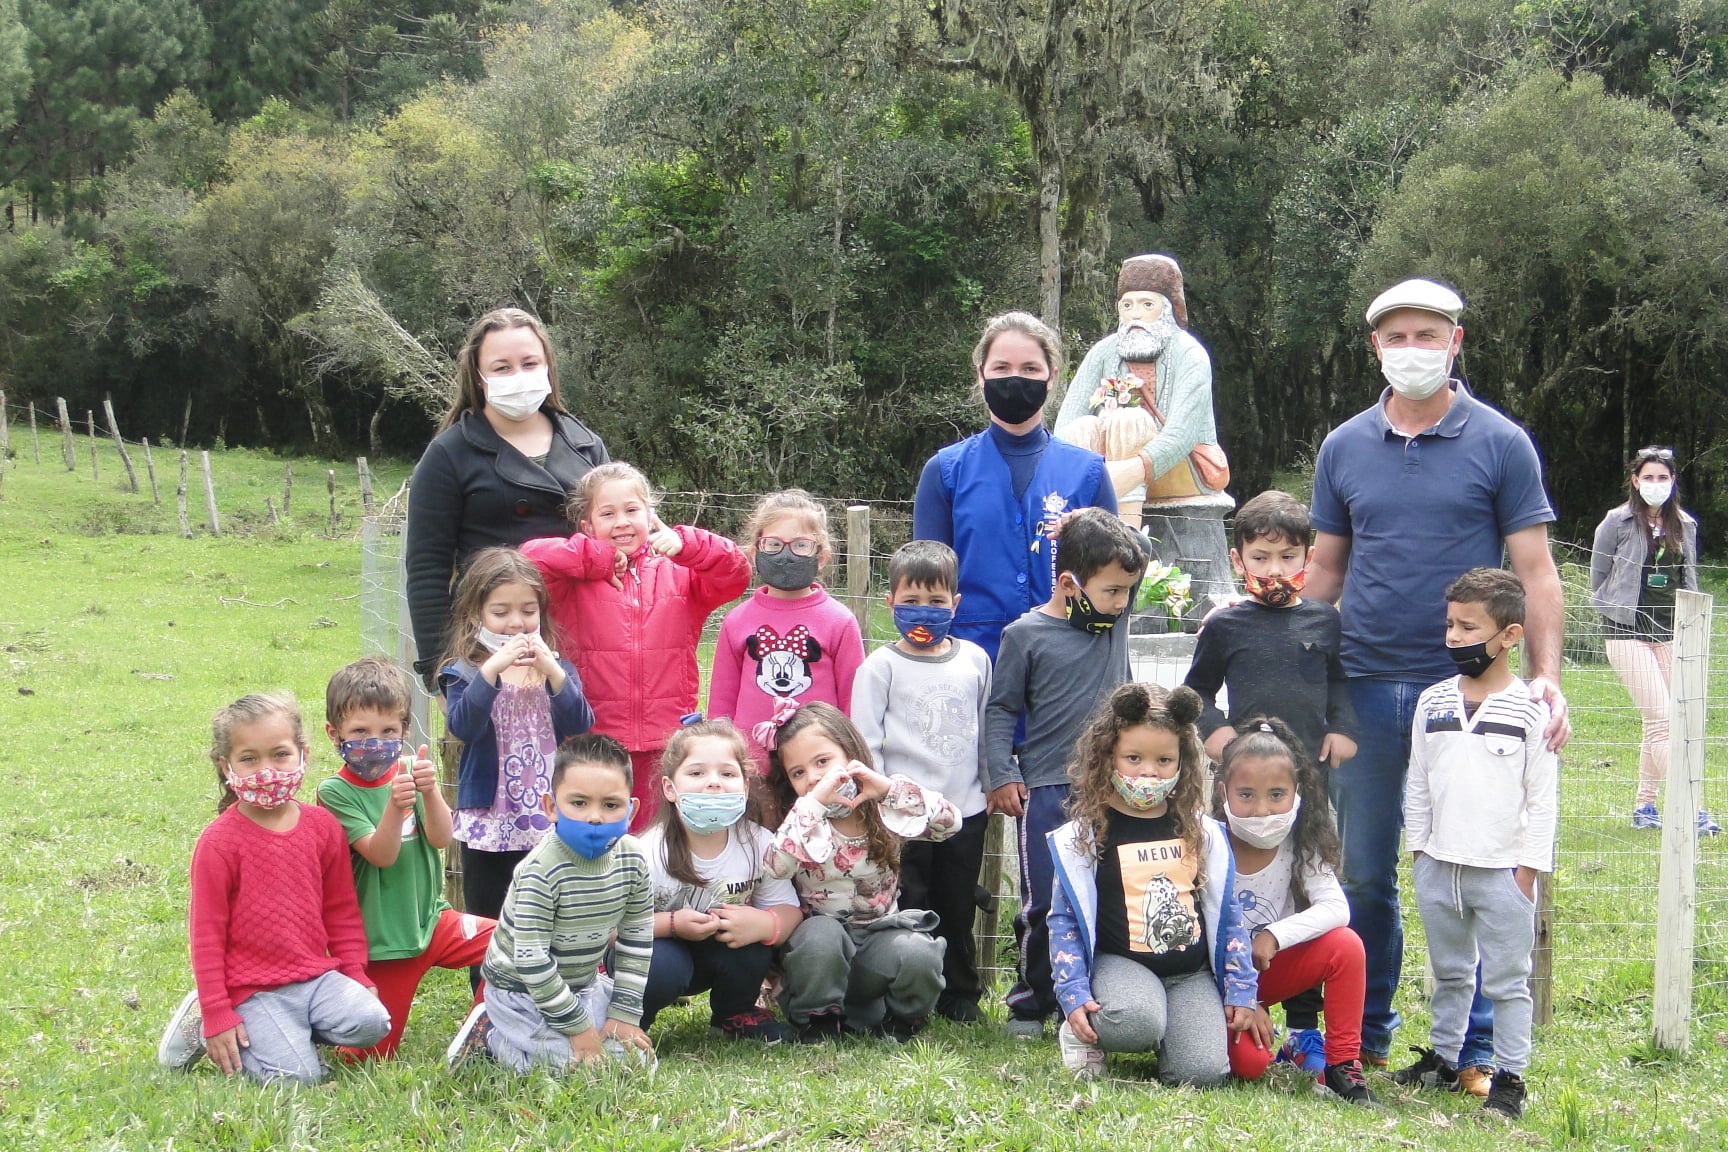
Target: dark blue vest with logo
(1007,558)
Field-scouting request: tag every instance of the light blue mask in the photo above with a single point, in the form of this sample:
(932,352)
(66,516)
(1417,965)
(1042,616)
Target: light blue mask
(711,811)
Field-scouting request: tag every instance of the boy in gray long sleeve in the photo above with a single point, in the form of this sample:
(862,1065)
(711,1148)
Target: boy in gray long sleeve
(1057,664)
(919,704)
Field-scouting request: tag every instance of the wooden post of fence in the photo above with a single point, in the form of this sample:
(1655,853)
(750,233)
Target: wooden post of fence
(90,427)
(5,426)
(209,495)
(119,444)
(35,444)
(287,486)
(270,510)
(858,563)
(66,434)
(1677,881)
(330,485)
(150,470)
(180,500)
(1542,954)
(987,923)
(365,484)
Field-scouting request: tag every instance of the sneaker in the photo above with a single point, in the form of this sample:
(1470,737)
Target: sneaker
(822,1026)
(470,1041)
(1346,1081)
(1473,1080)
(1430,1071)
(1646,816)
(1305,1048)
(182,1041)
(960,1011)
(1707,826)
(1506,1096)
(901,1029)
(753,1024)
(1085,1060)
(1026,1027)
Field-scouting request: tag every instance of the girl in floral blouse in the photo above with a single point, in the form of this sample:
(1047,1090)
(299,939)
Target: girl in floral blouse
(859,962)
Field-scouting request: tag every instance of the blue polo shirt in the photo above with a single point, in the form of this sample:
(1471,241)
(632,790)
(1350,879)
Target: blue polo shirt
(1419,511)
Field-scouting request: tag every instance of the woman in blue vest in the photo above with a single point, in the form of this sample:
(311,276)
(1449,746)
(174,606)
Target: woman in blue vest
(995,496)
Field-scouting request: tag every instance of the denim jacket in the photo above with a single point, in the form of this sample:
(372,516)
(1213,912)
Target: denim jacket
(1073,920)
(1617,562)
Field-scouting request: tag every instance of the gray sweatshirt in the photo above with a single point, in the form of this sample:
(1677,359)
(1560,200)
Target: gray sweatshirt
(922,717)
(1055,676)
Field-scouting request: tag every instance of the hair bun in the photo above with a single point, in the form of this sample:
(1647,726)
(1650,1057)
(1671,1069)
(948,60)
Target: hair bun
(1183,705)
(1132,703)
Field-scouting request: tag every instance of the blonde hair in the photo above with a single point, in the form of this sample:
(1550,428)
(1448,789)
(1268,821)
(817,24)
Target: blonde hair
(491,569)
(581,500)
(792,502)
(469,389)
(1094,764)
(248,710)
(1027,325)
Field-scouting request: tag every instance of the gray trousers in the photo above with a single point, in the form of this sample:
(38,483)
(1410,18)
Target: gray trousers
(283,1026)
(1470,915)
(892,967)
(1181,1018)
(521,1038)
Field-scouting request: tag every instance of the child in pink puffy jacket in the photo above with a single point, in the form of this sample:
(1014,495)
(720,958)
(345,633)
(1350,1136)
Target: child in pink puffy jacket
(631,596)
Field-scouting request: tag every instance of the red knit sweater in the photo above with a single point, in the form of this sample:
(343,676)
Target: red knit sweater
(269,909)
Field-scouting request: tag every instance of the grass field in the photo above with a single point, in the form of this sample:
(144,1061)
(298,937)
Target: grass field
(117,641)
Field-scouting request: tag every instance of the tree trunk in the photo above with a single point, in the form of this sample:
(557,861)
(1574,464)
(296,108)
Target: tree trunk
(1050,236)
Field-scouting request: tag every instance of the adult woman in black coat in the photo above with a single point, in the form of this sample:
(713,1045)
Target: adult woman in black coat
(498,472)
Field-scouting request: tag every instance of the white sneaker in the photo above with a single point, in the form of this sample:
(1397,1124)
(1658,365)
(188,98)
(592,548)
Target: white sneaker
(470,1041)
(1085,1060)
(182,1043)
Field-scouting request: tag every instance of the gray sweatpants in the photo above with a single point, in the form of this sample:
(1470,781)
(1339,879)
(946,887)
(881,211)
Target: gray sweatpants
(1470,915)
(890,967)
(1181,1018)
(284,1024)
(521,1038)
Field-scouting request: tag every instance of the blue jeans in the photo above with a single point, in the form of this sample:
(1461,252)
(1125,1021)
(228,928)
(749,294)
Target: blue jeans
(1368,797)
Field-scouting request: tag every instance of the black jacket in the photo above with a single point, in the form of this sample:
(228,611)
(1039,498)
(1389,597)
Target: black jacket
(472,490)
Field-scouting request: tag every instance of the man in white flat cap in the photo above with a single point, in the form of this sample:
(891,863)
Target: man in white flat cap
(1408,495)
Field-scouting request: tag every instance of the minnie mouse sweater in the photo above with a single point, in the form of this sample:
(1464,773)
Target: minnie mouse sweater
(772,649)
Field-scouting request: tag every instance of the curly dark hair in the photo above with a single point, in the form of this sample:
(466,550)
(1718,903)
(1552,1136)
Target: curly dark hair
(1093,764)
(882,845)
(1314,839)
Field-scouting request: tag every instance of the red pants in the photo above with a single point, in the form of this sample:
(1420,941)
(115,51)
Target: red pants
(1333,963)
(645,787)
(458,941)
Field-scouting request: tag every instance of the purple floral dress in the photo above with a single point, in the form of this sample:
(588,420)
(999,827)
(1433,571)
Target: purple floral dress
(522,719)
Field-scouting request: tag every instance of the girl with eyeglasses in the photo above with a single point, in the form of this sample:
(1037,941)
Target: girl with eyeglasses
(791,643)
(1646,550)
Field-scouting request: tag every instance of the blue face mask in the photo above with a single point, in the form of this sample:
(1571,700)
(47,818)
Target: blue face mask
(711,811)
(589,841)
(923,625)
(371,758)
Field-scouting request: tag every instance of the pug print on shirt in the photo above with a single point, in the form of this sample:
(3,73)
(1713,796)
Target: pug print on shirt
(1147,909)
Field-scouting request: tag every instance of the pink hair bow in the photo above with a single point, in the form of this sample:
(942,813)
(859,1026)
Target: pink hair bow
(767,733)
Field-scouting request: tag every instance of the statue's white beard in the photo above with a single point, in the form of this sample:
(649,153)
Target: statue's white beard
(1139,341)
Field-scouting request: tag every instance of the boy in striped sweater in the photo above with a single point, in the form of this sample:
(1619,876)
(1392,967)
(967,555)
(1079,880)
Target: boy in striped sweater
(547,1002)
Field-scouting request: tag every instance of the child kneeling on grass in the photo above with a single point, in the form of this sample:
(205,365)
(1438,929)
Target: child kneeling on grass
(278,948)
(547,1001)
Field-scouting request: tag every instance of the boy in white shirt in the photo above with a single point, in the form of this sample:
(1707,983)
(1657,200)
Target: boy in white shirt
(1479,814)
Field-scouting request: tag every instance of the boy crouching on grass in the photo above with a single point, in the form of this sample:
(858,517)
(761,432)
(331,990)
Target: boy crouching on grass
(1479,814)
(547,1002)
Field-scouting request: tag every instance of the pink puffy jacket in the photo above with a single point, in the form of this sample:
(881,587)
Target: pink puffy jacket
(635,648)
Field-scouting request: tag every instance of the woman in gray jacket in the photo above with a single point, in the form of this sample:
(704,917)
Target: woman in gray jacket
(1646,550)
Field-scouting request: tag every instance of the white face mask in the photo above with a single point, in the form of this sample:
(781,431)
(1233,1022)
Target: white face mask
(1263,831)
(492,641)
(519,395)
(1414,373)
(1655,492)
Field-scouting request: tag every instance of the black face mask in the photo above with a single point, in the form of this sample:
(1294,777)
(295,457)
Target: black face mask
(1082,614)
(1015,399)
(787,572)
(1472,659)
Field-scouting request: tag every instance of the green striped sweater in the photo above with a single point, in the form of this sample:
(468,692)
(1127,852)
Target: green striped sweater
(558,918)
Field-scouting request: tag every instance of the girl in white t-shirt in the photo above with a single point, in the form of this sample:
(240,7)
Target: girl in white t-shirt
(717,914)
(1274,802)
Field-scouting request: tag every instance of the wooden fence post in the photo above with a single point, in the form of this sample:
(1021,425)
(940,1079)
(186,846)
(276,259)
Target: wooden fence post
(858,564)
(287,486)
(150,469)
(180,500)
(210,495)
(90,427)
(114,431)
(5,426)
(1677,880)
(66,434)
(330,485)
(986,926)
(270,510)
(1542,954)
(35,444)
(365,484)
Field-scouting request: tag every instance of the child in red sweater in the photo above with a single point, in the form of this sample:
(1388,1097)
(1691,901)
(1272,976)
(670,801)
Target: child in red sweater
(630,597)
(278,948)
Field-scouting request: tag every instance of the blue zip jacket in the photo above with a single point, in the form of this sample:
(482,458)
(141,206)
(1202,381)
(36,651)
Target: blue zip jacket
(468,701)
